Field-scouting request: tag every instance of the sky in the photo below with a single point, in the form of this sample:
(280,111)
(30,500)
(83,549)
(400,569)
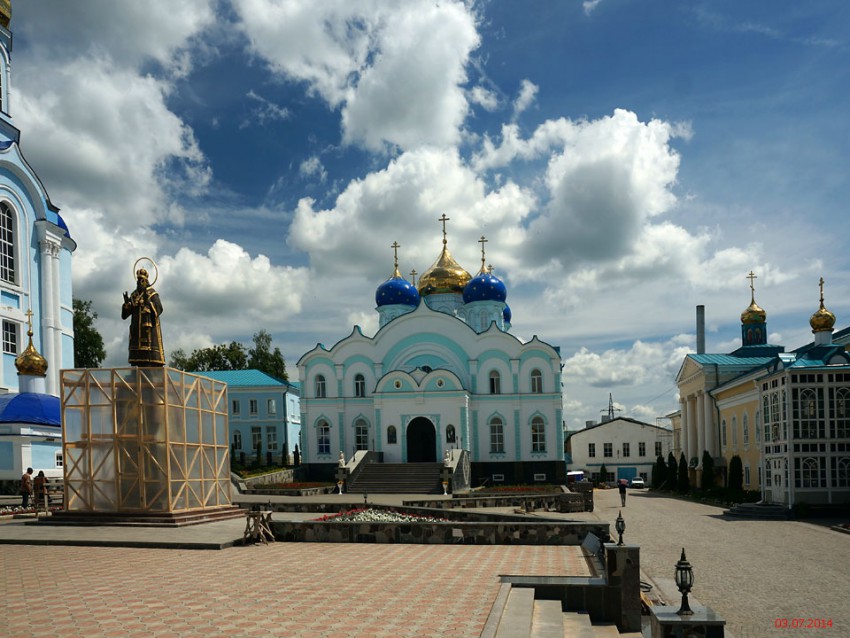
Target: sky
(626,160)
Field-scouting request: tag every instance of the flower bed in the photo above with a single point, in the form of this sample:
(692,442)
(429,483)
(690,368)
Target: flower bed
(371,515)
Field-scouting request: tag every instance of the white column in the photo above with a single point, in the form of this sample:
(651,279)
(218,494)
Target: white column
(683,430)
(692,431)
(700,414)
(48,309)
(710,429)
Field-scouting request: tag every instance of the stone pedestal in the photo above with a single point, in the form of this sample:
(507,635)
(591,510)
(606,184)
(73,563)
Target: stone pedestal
(622,564)
(144,441)
(703,623)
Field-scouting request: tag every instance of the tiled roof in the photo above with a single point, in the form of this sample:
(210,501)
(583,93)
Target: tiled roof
(243,378)
(729,360)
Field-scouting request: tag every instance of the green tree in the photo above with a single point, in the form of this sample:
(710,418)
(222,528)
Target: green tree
(261,357)
(672,471)
(659,474)
(231,356)
(88,344)
(683,483)
(736,475)
(603,474)
(707,481)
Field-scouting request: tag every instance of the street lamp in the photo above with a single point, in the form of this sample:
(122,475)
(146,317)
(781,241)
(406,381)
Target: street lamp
(684,581)
(620,526)
(365,497)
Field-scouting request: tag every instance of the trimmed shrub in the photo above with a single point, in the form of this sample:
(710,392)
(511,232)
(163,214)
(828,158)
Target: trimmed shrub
(683,483)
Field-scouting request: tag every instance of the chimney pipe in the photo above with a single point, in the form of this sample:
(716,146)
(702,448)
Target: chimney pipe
(700,329)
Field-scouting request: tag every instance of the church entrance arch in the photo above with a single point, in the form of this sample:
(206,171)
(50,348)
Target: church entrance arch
(421,441)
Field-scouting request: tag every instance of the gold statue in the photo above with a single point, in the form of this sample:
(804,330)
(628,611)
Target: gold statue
(144,308)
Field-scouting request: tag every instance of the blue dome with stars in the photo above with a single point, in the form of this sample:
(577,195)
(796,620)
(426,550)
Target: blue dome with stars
(485,286)
(396,290)
(506,314)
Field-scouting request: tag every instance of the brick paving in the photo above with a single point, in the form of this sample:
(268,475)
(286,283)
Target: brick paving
(751,572)
(300,590)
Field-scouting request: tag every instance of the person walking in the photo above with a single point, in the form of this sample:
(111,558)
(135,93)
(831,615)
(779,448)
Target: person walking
(26,488)
(40,488)
(622,488)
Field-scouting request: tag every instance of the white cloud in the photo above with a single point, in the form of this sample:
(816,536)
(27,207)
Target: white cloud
(395,70)
(264,112)
(590,5)
(525,98)
(312,167)
(487,100)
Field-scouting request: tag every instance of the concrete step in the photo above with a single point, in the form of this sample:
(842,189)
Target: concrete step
(577,625)
(547,619)
(398,478)
(606,630)
(516,618)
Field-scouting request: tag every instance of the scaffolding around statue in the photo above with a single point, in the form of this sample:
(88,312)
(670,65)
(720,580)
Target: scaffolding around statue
(144,440)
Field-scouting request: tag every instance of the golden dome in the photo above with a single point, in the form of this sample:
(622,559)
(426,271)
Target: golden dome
(5,12)
(444,276)
(753,314)
(823,320)
(30,362)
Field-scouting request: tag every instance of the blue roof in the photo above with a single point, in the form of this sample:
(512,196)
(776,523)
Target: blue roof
(30,407)
(396,290)
(484,286)
(242,378)
(729,360)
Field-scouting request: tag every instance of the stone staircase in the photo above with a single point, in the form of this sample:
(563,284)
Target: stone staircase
(761,511)
(516,613)
(398,478)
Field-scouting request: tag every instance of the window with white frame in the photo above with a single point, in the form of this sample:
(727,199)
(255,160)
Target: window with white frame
(538,435)
(841,477)
(497,436)
(641,449)
(256,437)
(626,449)
(7,243)
(235,407)
(495,382)
(747,475)
(607,450)
(361,434)
(271,407)
(392,435)
(734,431)
(319,387)
(723,433)
(450,433)
(271,438)
(237,439)
(591,450)
(745,428)
(10,337)
(58,459)
(536,382)
(658,449)
(323,438)
(359,386)
(253,409)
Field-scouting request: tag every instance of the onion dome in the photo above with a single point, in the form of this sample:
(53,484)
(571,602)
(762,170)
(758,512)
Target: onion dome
(30,407)
(5,12)
(396,290)
(445,275)
(30,362)
(754,313)
(823,320)
(506,314)
(485,286)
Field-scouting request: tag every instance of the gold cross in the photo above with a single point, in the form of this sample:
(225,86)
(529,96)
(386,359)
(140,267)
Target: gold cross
(444,219)
(395,248)
(752,276)
(482,241)
(821,292)
(28,313)
(413,274)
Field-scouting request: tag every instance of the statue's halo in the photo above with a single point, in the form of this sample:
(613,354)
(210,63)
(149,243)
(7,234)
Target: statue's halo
(155,269)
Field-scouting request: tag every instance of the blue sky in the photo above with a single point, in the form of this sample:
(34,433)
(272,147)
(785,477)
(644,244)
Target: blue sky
(626,160)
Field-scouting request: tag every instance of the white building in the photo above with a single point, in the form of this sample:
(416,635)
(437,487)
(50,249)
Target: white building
(626,447)
(442,372)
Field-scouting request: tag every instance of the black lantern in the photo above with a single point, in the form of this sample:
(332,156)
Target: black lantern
(620,526)
(684,581)
(365,498)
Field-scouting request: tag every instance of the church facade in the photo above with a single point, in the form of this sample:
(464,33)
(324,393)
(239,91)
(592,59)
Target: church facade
(35,250)
(443,372)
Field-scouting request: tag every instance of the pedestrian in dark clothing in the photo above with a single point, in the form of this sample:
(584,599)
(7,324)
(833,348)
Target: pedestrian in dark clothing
(622,487)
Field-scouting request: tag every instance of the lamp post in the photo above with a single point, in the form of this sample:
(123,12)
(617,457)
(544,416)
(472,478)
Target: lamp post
(620,526)
(365,498)
(684,581)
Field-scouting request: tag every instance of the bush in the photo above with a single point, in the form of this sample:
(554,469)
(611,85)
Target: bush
(659,474)
(707,481)
(736,475)
(683,482)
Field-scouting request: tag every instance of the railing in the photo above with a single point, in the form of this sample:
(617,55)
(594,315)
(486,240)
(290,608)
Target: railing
(361,459)
(458,470)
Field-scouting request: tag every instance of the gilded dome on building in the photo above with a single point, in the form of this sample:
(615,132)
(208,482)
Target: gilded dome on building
(823,320)
(5,12)
(754,313)
(445,275)
(30,362)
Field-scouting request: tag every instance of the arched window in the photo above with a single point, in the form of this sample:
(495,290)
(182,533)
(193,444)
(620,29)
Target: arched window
(392,435)
(808,404)
(734,431)
(538,435)
(237,439)
(361,434)
(497,436)
(359,386)
(745,425)
(495,382)
(450,433)
(536,382)
(810,473)
(7,243)
(320,390)
(723,433)
(842,477)
(323,437)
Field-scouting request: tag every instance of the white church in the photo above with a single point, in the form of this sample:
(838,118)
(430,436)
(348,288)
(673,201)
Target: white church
(442,373)
(35,282)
